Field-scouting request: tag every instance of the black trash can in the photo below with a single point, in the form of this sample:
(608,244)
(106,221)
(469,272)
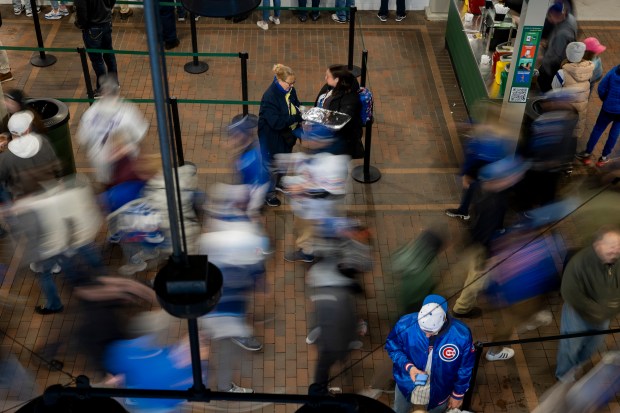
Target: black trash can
(55,117)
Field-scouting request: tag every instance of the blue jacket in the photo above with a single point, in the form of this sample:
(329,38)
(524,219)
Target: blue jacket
(452,361)
(609,91)
(274,117)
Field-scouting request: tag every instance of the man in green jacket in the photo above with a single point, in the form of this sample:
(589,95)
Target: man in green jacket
(591,292)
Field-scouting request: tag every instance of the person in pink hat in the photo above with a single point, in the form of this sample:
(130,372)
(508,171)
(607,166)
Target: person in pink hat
(593,50)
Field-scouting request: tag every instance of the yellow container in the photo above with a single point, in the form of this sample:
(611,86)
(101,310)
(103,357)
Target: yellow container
(500,66)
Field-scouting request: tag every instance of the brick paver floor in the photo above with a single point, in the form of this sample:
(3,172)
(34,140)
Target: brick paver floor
(416,145)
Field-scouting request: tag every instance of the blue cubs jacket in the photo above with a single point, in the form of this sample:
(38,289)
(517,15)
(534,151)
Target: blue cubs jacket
(452,362)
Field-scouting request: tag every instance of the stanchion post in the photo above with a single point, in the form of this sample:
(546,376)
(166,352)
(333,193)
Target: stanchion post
(353,69)
(472,382)
(364,68)
(195,66)
(42,60)
(176,124)
(89,85)
(244,80)
(366,174)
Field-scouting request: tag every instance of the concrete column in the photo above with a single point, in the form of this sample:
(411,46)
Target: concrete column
(437,10)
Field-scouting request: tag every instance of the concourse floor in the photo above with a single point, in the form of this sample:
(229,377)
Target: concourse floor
(419,115)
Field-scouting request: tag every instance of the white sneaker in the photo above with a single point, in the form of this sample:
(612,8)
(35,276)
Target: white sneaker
(131,269)
(53,15)
(505,354)
(274,19)
(145,255)
(262,24)
(372,393)
(36,267)
(313,335)
(238,389)
(540,319)
(196,18)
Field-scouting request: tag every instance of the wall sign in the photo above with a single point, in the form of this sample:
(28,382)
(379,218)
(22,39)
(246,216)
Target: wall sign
(530,40)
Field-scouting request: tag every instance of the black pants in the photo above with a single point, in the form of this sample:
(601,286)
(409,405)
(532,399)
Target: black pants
(100,37)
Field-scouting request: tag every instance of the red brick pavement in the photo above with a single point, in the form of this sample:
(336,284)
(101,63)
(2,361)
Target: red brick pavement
(416,145)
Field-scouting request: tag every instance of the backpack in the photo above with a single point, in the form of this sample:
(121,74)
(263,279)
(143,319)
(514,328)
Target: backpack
(367,104)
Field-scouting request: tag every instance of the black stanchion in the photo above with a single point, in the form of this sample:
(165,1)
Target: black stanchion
(353,69)
(42,60)
(366,174)
(176,124)
(195,66)
(364,68)
(472,382)
(89,85)
(244,80)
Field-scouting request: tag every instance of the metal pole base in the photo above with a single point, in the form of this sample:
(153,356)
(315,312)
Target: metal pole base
(197,68)
(373,174)
(39,61)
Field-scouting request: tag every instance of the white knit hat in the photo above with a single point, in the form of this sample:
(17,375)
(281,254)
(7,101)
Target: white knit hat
(575,51)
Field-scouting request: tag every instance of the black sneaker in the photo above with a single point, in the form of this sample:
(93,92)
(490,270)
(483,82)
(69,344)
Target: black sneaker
(401,18)
(455,213)
(273,202)
(298,255)
(584,157)
(382,17)
(475,312)
(247,343)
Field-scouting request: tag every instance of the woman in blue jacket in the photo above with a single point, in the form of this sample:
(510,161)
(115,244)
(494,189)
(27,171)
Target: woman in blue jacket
(279,121)
(431,344)
(609,92)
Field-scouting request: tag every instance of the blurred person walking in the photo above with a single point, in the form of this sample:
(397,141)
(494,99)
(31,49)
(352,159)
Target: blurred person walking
(591,292)
(433,357)
(239,254)
(25,166)
(575,75)
(490,205)
(94,18)
(5,66)
(609,93)
(278,124)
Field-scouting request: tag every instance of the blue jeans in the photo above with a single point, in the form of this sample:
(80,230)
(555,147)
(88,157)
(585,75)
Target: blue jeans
(54,3)
(100,37)
(400,8)
(304,3)
(83,265)
(168,23)
(402,405)
(603,120)
(276,11)
(47,285)
(342,14)
(574,351)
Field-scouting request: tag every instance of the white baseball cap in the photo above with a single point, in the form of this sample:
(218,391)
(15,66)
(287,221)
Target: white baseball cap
(431,318)
(20,122)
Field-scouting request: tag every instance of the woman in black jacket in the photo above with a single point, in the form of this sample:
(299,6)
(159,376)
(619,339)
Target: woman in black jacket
(278,123)
(341,94)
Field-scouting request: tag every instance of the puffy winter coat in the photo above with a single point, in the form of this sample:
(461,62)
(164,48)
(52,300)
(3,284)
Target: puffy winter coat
(577,78)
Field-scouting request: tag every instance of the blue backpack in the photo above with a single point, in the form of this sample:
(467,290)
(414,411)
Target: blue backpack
(367,104)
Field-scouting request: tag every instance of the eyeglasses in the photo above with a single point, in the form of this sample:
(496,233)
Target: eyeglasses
(289,84)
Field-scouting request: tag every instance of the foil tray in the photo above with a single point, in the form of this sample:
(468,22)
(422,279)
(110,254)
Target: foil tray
(328,118)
